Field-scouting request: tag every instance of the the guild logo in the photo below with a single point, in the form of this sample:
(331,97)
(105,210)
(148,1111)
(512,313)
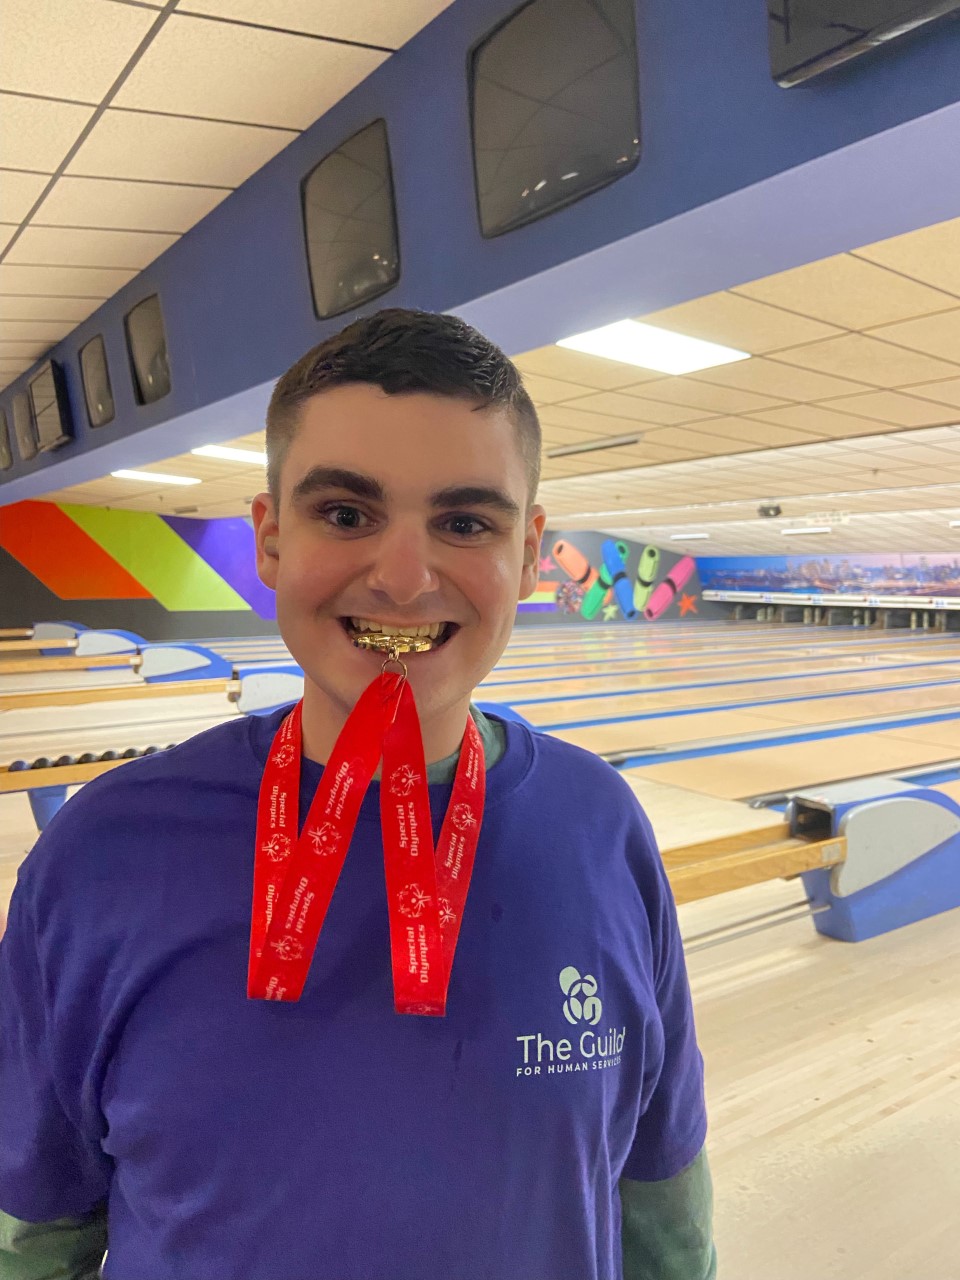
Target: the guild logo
(283,756)
(412,901)
(288,948)
(582,1004)
(324,839)
(462,817)
(277,847)
(403,780)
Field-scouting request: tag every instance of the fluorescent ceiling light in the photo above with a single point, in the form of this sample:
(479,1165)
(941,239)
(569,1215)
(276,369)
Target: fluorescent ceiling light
(154,477)
(955,524)
(593,446)
(688,537)
(631,342)
(231,455)
(814,528)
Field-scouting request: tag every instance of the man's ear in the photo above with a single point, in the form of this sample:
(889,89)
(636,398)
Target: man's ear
(267,531)
(530,573)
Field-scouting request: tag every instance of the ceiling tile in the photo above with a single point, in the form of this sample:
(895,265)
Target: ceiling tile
(698,442)
(934,335)
(763,434)
(46,308)
(631,408)
(204,151)
(702,395)
(819,420)
(381,22)
(741,322)
(225,71)
(29,350)
(586,371)
(893,407)
(7,231)
(34,330)
(869,360)
(18,192)
(551,390)
(847,291)
(68,48)
(38,133)
(588,424)
(94,282)
(783,382)
(67,246)
(141,206)
(946,392)
(931,254)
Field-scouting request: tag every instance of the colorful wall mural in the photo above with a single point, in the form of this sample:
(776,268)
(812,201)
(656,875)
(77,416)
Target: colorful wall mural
(590,577)
(166,577)
(162,577)
(936,573)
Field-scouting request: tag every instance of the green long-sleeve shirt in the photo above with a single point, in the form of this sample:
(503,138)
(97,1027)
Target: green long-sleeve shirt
(667,1231)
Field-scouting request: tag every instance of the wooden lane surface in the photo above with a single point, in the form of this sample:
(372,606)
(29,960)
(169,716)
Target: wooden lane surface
(76,730)
(774,770)
(31,646)
(639,680)
(32,666)
(112,693)
(763,696)
(16,633)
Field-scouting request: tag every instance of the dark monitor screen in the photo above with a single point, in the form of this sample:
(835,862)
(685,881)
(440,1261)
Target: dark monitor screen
(147,346)
(97,391)
(23,427)
(51,410)
(6,457)
(810,36)
(350,224)
(555,106)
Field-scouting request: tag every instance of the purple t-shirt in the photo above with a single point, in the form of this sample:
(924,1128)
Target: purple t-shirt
(333,1139)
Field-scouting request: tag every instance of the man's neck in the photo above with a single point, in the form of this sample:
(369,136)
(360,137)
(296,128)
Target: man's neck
(324,719)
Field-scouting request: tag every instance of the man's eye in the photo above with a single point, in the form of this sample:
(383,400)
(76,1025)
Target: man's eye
(343,516)
(465,526)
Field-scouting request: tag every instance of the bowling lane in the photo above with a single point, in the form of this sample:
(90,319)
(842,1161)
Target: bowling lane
(769,770)
(748,694)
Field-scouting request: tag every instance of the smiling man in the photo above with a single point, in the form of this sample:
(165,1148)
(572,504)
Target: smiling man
(158,1096)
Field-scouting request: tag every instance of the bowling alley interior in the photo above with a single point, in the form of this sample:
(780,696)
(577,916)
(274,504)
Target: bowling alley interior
(735,304)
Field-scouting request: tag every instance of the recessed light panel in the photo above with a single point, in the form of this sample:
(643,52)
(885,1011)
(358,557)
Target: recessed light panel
(644,345)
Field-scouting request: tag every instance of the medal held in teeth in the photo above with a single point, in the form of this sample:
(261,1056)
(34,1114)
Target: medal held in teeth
(296,872)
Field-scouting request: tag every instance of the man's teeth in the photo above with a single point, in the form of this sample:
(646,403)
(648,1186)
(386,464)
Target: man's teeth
(431,629)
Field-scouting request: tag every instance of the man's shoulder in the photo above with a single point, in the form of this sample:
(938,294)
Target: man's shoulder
(562,763)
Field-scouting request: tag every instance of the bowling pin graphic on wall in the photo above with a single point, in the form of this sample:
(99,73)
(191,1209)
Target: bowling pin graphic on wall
(665,594)
(615,562)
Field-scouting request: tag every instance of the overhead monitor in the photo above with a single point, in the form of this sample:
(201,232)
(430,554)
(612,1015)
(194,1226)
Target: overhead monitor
(147,348)
(350,223)
(6,457)
(51,408)
(23,427)
(95,375)
(810,36)
(555,107)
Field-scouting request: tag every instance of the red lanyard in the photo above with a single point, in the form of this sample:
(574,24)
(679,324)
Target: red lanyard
(294,878)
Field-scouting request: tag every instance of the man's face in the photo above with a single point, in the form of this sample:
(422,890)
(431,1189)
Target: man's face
(400,511)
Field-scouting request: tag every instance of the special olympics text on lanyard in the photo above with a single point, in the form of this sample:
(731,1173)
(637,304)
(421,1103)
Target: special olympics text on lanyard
(295,876)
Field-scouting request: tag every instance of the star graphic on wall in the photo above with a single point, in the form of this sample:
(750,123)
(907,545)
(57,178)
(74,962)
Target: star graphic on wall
(688,604)
(610,612)
(546,564)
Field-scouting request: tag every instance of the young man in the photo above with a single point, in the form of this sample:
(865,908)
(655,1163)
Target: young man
(550,1126)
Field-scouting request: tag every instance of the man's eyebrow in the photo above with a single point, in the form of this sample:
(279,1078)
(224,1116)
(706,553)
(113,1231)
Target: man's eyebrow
(474,495)
(354,482)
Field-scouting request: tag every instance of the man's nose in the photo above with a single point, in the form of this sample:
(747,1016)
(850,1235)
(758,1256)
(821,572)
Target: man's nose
(402,566)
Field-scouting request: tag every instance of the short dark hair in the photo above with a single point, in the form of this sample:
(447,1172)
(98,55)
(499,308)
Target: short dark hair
(405,351)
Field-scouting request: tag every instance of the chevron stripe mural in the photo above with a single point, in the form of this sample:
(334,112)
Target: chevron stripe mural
(96,553)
